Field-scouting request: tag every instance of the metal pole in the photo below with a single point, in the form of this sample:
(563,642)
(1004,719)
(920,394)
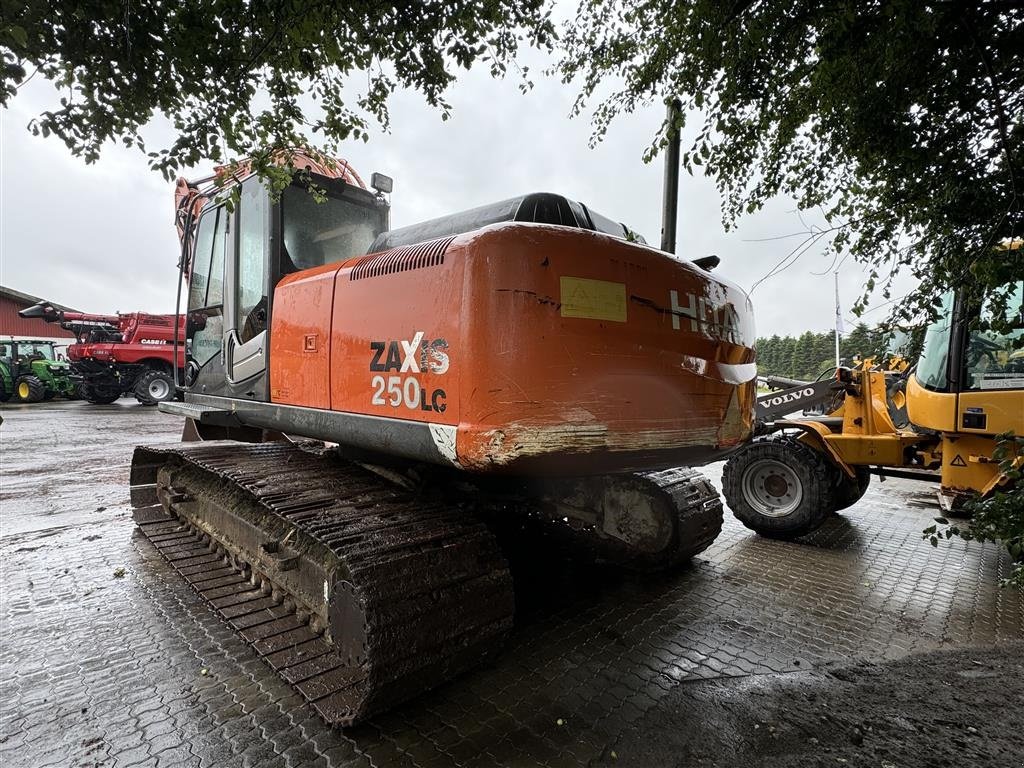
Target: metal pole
(839,318)
(670,199)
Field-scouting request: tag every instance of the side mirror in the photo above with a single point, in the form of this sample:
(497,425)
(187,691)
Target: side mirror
(381,183)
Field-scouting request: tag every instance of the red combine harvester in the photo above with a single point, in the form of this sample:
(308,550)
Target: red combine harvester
(120,354)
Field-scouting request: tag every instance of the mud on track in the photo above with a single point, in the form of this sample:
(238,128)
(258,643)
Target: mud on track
(100,670)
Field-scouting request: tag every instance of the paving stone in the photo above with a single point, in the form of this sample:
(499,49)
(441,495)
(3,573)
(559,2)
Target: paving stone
(597,650)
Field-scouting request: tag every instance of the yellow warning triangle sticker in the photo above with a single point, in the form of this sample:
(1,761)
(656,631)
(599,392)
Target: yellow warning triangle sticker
(958,461)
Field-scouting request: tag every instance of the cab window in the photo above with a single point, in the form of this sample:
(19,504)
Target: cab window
(206,287)
(36,351)
(933,366)
(332,230)
(995,346)
(252,261)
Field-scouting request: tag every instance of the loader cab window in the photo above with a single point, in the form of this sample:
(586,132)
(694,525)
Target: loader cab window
(995,344)
(206,288)
(342,226)
(933,367)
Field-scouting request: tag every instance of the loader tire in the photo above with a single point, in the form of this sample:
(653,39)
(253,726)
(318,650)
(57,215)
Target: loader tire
(849,491)
(30,389)
(154,387)
(780,487)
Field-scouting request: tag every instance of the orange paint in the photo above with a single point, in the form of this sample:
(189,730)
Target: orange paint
(547,348)
(300,351)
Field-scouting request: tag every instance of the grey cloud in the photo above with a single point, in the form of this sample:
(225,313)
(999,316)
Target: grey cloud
(102,238)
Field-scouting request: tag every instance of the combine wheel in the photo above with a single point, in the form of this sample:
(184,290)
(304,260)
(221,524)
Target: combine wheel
(780,487)
(99,395)
(848,491)
(30,389)
(154,387)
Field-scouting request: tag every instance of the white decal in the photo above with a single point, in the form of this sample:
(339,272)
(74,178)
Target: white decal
(418,355)
(719,321)
(444,438)
(377,382)
(411,348)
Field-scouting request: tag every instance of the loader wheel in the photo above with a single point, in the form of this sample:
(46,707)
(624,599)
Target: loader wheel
(99,395)
(780,487)
(154,387)
(848,491)
(30,389)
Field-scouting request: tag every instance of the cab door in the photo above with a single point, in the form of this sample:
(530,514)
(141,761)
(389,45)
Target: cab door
(247,298)
(204,330)
(992,388)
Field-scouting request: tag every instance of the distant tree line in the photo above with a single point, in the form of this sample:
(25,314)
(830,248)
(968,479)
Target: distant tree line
(810,354)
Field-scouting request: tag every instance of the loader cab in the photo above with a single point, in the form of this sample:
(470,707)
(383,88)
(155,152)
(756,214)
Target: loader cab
(241,250)
(970,376)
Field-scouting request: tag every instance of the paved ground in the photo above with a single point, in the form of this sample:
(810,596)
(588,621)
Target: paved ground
(98,669)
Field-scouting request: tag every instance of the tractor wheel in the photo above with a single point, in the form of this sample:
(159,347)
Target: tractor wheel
(30,389)
(5,395)
(154,387)
(780,487)
(99,395)
(848,491)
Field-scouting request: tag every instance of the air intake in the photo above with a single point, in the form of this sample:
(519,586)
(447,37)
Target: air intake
(401,259)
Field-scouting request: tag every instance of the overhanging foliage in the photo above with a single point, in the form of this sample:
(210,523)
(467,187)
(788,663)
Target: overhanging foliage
(232,76)
(899,119)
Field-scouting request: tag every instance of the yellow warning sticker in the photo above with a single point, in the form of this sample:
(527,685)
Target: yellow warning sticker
(593,299)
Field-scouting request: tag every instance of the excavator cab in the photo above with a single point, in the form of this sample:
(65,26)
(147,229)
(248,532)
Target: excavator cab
(241,251)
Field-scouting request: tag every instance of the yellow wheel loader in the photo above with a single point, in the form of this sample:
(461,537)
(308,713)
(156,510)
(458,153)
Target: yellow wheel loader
(966,390)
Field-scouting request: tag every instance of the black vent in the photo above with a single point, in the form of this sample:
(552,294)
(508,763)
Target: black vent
(429,254)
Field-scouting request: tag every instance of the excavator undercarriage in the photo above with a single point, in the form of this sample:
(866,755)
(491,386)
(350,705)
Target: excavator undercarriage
(358,593)
(362,593)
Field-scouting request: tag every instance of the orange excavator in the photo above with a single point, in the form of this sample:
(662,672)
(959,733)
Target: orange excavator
(360,401)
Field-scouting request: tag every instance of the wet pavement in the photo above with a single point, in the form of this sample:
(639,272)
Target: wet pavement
(108,659)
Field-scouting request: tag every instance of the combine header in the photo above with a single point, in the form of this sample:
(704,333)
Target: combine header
(529,358)
(122,354)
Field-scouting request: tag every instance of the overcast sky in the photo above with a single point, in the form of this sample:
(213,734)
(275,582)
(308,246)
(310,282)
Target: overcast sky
(101,238)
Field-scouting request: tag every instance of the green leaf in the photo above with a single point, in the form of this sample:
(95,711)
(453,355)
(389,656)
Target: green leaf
(18,34)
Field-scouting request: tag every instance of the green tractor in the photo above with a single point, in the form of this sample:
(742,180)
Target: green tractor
(30,372)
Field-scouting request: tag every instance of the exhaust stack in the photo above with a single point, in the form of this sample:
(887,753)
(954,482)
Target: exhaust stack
(670,200)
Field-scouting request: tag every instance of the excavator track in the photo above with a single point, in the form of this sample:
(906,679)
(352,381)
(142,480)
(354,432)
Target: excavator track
(357,592)
(696,515)
(601,520)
